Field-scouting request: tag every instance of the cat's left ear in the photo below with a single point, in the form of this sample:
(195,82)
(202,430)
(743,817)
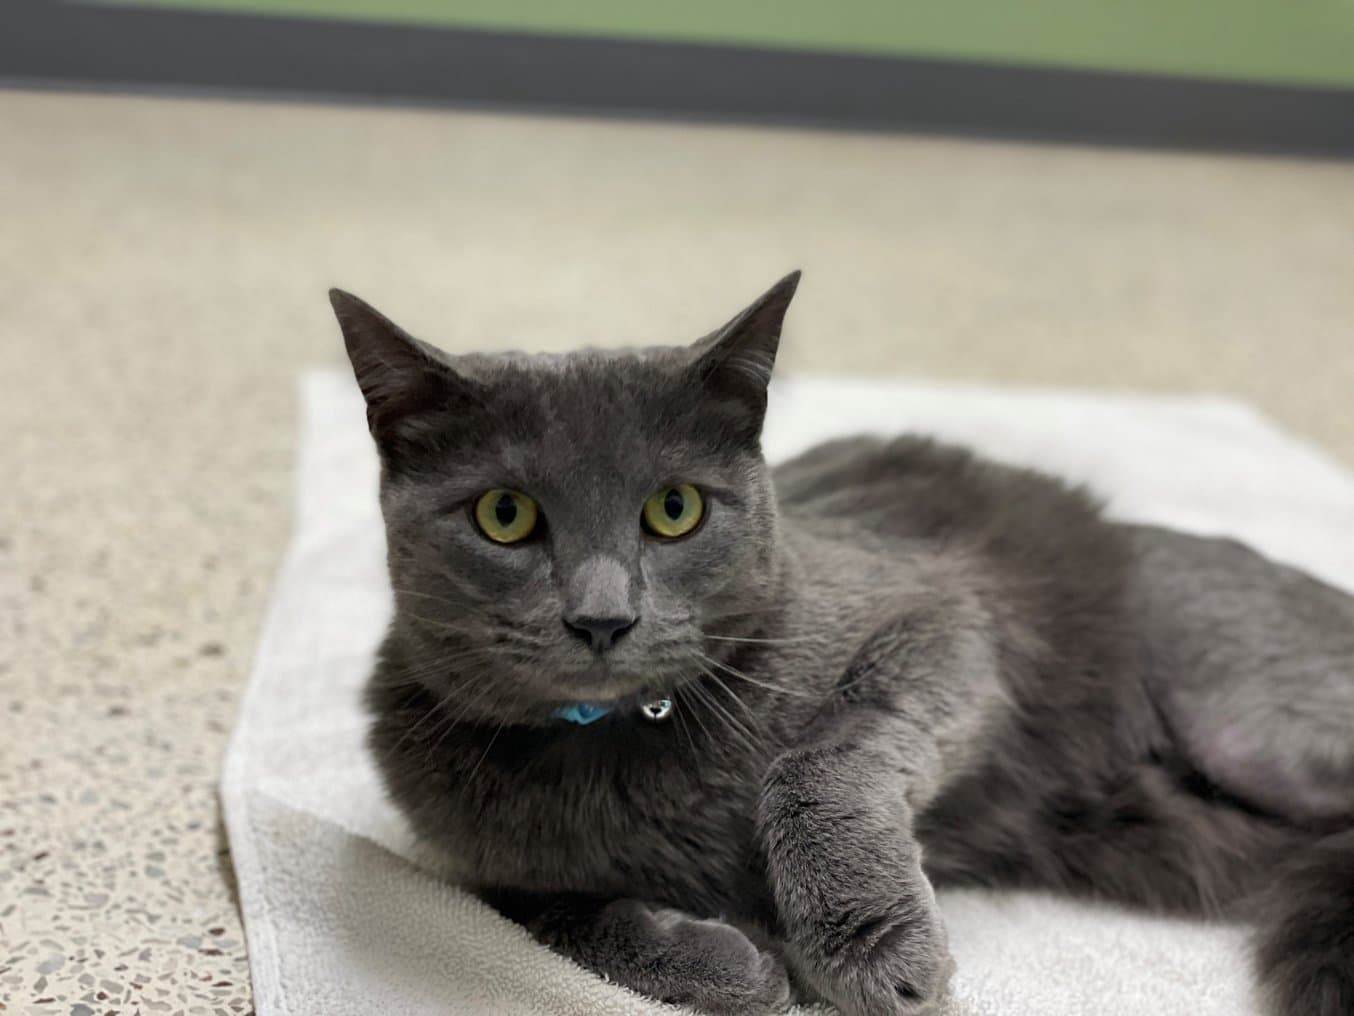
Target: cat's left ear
(734,363)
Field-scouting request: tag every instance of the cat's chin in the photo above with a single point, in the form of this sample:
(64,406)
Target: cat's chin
(611,692)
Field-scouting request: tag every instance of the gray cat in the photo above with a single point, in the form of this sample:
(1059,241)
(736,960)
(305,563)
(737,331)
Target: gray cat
(715,730)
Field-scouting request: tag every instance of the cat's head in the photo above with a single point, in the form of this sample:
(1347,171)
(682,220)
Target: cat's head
(572,528)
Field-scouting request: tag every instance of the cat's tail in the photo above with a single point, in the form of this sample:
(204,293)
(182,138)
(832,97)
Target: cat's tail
(1305,939)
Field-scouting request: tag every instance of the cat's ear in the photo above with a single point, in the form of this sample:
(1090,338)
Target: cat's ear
(409,391)
(734,363)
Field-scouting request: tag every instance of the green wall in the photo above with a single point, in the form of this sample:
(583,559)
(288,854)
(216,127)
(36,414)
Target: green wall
(1278,41)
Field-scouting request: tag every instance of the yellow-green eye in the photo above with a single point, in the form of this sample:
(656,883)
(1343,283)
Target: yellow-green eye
(674,511)
(506,516)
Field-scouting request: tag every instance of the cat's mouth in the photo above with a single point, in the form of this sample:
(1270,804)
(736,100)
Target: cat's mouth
(611,687)
(613,692)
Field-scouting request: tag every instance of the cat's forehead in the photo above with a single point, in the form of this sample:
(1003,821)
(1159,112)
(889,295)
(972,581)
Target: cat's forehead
(598,388)
(609,414)
(580,363)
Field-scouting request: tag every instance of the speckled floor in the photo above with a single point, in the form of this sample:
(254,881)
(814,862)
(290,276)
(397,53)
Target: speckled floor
(162,275)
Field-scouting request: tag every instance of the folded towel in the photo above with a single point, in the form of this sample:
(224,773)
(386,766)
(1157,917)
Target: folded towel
(343,911)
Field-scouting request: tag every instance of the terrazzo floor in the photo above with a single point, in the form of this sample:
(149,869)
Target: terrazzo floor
(162,273)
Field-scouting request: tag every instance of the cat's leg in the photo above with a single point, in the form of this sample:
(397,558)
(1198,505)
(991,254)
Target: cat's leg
(657,951)
(857,912)
(1252,668)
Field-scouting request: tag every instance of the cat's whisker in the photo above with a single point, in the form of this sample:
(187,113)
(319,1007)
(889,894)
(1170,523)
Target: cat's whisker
(762,611)
(445,718)
(752,716)
(708,704)
(449,654)
(454,719)
(401,591)
(485,754)
(734,672)
(442,701)
(749,740)
(416,674)
(412,728)
(476,654)
(422,661)
(509,644)
(752,738)
(440,625)
(762,641)
(685,728)
(693,690)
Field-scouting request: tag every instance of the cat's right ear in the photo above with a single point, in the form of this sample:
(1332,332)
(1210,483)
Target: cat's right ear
(409,391)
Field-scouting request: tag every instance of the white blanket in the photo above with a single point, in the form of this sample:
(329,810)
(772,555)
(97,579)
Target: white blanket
(342,918)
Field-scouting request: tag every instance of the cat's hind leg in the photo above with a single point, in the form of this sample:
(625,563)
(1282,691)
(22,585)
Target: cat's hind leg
(1251,667)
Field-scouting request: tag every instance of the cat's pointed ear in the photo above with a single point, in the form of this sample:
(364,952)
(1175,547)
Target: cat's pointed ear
(734,364)
(409,391)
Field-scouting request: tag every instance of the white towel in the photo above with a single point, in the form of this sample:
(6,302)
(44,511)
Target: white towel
(341,917)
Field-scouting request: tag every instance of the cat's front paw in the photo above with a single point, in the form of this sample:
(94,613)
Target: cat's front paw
(886,959)
(858,913)
(708,965)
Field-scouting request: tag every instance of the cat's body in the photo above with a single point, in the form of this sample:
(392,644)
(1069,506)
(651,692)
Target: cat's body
(916,661)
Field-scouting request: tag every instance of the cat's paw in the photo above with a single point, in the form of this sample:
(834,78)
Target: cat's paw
(859,915)
(884,961)
(708,965)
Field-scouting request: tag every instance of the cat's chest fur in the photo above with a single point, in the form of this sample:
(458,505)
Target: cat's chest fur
(618,807)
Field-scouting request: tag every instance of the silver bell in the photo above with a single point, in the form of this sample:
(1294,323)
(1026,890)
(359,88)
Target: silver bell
(656,711)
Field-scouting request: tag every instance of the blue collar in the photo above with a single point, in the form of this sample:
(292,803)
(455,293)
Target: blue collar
(582,713)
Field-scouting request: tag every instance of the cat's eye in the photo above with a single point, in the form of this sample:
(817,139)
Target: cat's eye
(506,516)
(673,511)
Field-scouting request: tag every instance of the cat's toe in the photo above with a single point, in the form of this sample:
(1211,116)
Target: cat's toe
(715,968)
(892,968)
(904,975)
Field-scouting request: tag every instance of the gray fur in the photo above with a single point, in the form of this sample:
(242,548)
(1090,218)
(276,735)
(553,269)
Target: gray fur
(893,664)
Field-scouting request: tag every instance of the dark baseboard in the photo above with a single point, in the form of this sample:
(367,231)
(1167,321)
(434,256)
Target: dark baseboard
(44,43)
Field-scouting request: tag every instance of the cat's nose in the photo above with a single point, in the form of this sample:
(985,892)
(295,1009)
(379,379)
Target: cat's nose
(601,633)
